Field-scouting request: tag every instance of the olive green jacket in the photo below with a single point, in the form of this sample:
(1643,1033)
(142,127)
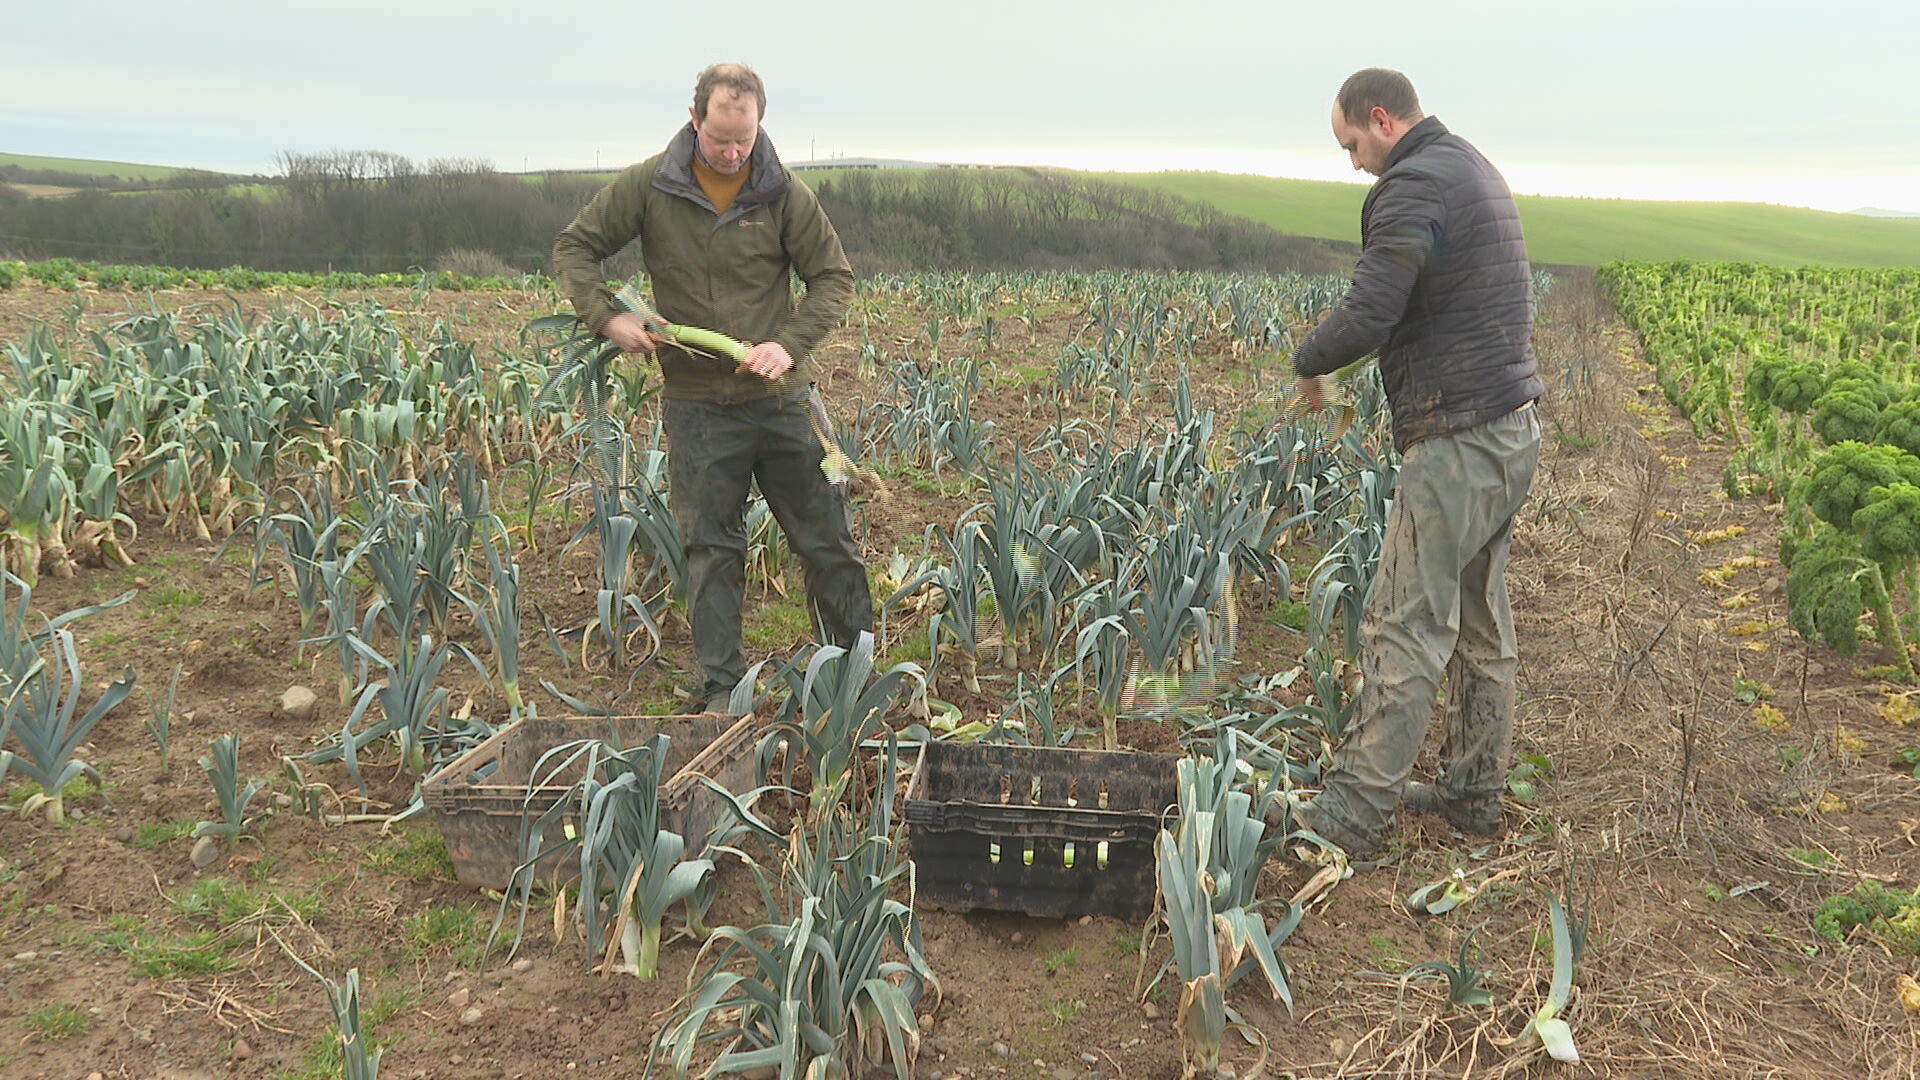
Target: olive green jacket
(729,272)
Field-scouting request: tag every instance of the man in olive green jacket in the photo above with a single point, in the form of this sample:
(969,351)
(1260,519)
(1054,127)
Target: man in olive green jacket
(722,227)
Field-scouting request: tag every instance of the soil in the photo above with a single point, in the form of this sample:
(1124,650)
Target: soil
(1702,841)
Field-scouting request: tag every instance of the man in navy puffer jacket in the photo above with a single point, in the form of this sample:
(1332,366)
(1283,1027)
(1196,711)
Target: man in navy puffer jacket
(1443,292)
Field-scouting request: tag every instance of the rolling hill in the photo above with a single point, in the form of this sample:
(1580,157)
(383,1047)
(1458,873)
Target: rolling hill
(126,170)
(1560,230)
(1582,231)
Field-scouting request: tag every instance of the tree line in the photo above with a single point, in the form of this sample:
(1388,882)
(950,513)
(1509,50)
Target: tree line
(1007,218)
(372,211)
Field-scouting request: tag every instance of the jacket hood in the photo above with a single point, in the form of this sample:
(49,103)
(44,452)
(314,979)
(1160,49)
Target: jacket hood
(767,182)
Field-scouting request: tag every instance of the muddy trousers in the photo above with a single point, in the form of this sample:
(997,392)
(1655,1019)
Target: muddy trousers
(1438,604)
(714,453)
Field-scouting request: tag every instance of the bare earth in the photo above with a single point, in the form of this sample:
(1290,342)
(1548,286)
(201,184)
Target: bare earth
(1701,830)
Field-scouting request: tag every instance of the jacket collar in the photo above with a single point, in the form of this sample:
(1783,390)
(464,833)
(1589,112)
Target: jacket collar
(768,181)
(1418,136)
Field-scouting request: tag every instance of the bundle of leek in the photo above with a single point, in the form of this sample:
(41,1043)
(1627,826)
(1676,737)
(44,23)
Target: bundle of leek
(1345,414)
(584,358)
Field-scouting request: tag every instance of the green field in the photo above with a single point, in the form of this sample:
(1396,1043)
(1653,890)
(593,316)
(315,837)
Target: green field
(1582,231)
(89,167)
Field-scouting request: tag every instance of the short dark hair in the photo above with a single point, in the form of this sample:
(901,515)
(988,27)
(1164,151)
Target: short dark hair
(1383,87)
(738,78)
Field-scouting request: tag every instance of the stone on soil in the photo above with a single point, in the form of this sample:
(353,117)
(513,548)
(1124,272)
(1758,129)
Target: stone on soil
(298,703)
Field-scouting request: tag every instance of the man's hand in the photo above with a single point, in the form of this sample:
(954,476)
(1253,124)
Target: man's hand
(631,334)
(1316,391)
(769,360)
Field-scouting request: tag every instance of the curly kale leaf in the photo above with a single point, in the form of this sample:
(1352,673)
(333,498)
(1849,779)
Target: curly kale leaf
(1874,390)
(1852,371)
(1795,387)
(1762,374)
(1842,479)
(1889,524)
(1899,425)
(1846,413)
(1825,594)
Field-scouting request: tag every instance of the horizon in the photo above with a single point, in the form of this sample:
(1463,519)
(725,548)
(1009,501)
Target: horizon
(1634,185)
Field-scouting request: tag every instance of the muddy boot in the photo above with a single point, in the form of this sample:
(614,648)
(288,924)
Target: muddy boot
(1358,845)
(1480,817)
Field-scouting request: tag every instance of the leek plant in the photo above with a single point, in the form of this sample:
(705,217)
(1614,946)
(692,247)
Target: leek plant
(1184,629)
(584,369)
(308,535)
(359,1058)
(397,555)
(1208,867)
(1077,370)
(1231,818)
(830,984)
(339,597)
(445,528)
(632,870)
(20,646)
(836,703)
(34,489)
(767,551)
(646,501)
(620,615)
(1102,611)
(1230,518)
(1287,470)
(956,436)
(936,426)
(1200,1017)
(160,726)
(1463,976)
(1064,554)
(1028,557)
(42,714)
(1337,592)
(222,767)
(958,626)
(1546,1025)
(814,998)
(1329,705)
(1029,717)
(498,618)
(96,537)
(623,831)
(413,710)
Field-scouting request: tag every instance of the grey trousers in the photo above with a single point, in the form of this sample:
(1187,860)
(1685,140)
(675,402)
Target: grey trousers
(714,452)
(1439,598)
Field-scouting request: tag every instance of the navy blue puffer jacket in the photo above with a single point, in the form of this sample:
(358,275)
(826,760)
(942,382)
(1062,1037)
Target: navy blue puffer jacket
(1443,290)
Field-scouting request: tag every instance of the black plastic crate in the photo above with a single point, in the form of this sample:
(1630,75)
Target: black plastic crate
(1045,831)
(479,798)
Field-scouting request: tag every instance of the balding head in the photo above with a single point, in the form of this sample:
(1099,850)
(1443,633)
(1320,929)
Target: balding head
(732,80)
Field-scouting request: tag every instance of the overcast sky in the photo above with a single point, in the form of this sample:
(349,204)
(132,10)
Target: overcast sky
(1804,104)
